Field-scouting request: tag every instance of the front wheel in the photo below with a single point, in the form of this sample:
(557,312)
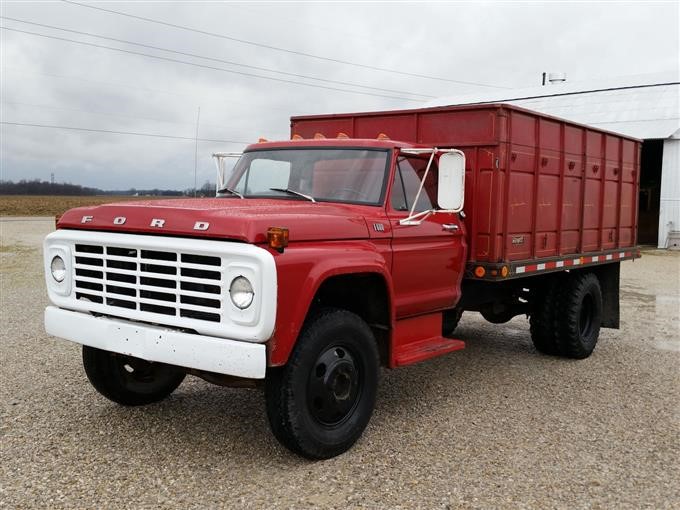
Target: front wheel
(320,402)
(129,381)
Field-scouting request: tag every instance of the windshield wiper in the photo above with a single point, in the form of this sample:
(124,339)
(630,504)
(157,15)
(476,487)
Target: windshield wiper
(229,190)
(293,192)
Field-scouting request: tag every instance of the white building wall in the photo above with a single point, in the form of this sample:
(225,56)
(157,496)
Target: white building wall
(669,211)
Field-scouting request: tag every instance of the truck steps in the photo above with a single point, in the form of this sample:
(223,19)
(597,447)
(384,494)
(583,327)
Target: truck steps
(420,338)
(425,349)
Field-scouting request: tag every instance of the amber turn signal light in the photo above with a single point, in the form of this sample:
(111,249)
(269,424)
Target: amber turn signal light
(277,238)
(480,271)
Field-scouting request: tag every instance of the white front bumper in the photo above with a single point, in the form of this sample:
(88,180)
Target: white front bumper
(151,343)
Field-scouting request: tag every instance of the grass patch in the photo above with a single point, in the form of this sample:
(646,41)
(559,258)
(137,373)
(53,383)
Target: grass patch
(40,205)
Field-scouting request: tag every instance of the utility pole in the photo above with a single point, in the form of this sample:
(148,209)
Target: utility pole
(198,118)
(52,178)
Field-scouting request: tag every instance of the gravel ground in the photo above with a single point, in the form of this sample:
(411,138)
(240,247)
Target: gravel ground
(494,426)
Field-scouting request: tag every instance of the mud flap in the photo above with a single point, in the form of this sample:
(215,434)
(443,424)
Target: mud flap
(608,275)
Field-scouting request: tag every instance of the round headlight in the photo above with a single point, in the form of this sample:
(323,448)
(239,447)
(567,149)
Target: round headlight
(58,268)
(241,292)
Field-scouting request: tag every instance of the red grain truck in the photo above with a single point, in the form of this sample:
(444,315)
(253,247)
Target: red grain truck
(357,244)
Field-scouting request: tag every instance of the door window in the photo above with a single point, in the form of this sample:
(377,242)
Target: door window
(409,173)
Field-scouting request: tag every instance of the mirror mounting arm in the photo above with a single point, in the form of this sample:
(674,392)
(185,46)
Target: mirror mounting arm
(422,182)
(220,159)
(418,218)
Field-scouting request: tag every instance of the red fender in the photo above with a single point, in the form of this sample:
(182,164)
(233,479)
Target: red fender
(303,268)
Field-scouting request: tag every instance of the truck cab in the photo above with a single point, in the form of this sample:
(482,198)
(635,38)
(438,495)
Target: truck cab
(317,262)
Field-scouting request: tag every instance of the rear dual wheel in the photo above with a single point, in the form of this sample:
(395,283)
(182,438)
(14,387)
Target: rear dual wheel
(320,402)
(450,320)
(567,316)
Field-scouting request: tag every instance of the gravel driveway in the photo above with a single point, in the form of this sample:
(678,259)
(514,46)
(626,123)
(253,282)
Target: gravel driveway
(495,425)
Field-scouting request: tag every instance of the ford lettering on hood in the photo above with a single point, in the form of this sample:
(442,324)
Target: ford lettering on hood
(241,220)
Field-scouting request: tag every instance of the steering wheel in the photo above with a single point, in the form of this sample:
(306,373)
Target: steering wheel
(358,193)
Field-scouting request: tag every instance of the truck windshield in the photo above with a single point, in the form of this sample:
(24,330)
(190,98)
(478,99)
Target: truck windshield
(324,175)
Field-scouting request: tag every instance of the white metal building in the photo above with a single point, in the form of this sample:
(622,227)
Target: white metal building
(643,106)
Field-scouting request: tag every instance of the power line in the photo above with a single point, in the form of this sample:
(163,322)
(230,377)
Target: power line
(113,84)
(105,114)
(158,57)
(194,55)
(153,135)
(284,50)
(574,93)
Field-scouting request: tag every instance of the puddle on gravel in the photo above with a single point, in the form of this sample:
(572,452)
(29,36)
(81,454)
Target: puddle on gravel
(667,314)
(662,312)
(668,345)
(639,297)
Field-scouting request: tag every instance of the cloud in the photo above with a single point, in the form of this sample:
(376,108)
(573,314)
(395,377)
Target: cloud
(52,82)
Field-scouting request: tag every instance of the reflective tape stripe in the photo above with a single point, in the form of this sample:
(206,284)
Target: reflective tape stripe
(556,264)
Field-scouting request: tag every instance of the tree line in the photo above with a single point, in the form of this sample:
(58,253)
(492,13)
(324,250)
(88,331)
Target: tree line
(38,187)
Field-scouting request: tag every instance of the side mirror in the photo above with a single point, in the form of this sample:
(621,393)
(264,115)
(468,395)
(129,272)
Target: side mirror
(451,192)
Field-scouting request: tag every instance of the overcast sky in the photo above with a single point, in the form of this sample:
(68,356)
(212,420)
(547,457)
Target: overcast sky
(59,83)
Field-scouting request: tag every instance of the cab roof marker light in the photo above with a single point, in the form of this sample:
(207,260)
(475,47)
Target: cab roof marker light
(262,140)
(383,136)
(296,137)
(319,136)
(342,135)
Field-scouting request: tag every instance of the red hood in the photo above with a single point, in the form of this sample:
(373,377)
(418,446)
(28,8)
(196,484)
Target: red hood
(230,218)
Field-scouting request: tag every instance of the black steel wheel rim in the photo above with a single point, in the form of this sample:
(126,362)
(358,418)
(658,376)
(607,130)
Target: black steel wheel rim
(141,376)
(334,386)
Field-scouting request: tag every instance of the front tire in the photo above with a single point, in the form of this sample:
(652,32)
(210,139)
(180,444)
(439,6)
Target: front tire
(320,402)
(127,380)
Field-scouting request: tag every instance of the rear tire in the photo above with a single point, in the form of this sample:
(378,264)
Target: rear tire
(127,380)
(579,315)
(450,320)
(542,320)
(320,402)
(496,318)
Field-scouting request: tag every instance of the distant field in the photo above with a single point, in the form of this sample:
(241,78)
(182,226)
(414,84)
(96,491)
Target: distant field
(37,205)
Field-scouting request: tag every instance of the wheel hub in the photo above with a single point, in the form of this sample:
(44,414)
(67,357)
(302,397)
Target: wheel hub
(333,387)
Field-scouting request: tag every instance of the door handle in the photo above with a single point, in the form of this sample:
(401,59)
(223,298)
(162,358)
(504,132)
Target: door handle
(450,227)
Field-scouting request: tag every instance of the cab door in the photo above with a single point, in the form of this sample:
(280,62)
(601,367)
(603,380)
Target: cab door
(428,259)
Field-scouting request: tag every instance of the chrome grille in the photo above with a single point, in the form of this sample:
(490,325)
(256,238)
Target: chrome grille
(168,283)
